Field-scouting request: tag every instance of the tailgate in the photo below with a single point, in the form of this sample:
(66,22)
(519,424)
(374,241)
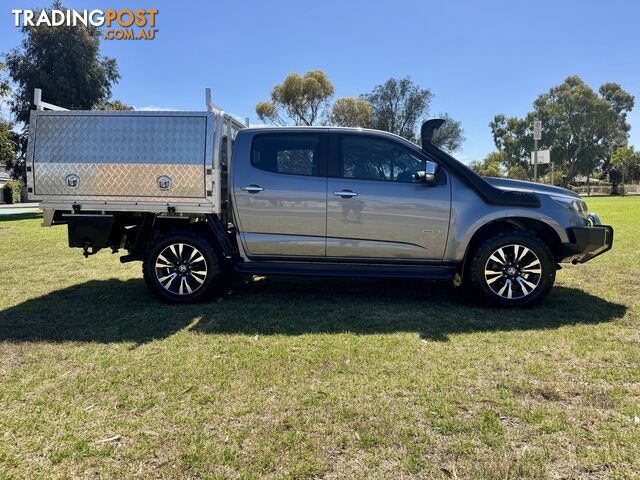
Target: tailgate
(120,156)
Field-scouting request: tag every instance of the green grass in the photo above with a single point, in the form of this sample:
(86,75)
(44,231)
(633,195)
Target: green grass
(290,378)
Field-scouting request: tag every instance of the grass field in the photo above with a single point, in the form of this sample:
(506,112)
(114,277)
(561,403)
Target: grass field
(290,378)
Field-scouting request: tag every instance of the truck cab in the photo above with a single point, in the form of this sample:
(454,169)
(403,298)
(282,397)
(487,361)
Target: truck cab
(334,193)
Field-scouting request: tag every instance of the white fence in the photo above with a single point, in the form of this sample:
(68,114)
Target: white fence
(606,189)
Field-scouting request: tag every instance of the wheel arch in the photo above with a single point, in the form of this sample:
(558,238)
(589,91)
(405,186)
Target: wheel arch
(538,227)
(152,226)
(210,227)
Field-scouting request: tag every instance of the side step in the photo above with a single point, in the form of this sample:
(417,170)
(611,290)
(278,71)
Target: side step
(431,272)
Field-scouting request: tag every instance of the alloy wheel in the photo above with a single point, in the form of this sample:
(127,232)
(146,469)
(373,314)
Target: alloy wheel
(181,269)
(513,271)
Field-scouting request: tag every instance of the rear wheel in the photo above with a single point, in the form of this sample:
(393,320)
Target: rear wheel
(182,266)
(513,269)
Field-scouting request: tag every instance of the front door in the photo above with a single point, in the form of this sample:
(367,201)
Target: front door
(376,207)
(280,195)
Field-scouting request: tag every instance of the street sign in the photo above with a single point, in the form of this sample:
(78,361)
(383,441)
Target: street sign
(544,156)
(537,129)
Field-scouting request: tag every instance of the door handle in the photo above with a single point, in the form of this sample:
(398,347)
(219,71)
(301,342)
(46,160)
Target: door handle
(252,188)
(345,194)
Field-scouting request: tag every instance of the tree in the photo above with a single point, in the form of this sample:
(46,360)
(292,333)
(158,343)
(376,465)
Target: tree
(513,138)
(518,172)
(4,83)
(8,145)
(626,161)
(399,106)
(114,105)
(65,62)
(351,112)
(581,127)
(298,99)
(450,135)
(490,166)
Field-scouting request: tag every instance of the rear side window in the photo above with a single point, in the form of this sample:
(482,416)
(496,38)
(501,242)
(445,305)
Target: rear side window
(369,158)
(292,154)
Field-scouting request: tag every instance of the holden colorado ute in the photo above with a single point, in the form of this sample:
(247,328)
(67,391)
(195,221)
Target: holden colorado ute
(196,195)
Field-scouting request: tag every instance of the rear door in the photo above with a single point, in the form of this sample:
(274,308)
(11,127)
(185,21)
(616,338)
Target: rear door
(280,193)
(375,206)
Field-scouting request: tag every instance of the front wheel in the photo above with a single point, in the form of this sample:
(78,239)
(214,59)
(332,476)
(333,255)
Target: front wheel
(181,266)
(513,269)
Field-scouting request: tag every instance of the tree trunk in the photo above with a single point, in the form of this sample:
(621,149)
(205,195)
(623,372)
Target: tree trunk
(571,172)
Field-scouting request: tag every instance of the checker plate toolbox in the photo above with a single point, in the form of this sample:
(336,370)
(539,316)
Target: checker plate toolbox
(116,160)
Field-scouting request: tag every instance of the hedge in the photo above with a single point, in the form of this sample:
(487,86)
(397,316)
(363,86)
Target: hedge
(11,191)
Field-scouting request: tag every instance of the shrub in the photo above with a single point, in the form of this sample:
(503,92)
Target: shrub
(11,191)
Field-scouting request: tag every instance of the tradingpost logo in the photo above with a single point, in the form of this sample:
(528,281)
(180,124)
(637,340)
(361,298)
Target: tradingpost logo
(119,24)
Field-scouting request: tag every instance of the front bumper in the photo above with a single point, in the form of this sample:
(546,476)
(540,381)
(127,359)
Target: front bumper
(587,243)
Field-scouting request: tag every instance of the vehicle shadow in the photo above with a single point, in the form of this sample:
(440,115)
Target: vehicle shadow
(118,311)
(12,217)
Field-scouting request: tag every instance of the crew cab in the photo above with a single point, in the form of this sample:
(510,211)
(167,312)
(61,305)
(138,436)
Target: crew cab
(195,196)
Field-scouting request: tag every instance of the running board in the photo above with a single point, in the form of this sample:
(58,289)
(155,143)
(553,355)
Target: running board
(431,272)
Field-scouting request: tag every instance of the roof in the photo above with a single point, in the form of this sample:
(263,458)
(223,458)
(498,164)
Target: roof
(321,128)
(4,177)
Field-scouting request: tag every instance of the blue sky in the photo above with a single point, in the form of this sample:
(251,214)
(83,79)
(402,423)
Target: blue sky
(478,58)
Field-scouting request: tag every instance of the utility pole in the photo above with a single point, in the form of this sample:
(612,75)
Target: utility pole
(537,135)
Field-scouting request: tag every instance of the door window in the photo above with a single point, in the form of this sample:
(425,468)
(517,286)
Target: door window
(292,154)
(369,158)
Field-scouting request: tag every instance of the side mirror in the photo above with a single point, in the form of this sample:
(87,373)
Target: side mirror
(430,172)
(428,175)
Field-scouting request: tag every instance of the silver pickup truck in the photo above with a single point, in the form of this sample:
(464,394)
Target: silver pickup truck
(197,195)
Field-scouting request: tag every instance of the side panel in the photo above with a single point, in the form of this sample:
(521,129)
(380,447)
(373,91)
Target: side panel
(387,220)
(119,181)
(287,217)
(120,156)
(376,209)
(469,213)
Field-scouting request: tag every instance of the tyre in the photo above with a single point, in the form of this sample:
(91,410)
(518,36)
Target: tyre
(512,269)
(182,266)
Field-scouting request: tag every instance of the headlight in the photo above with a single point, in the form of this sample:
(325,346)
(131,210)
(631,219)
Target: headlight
(574,204)
(594,219)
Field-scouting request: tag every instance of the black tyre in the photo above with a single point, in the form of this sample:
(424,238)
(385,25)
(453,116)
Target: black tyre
(512,269)
(182,266)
